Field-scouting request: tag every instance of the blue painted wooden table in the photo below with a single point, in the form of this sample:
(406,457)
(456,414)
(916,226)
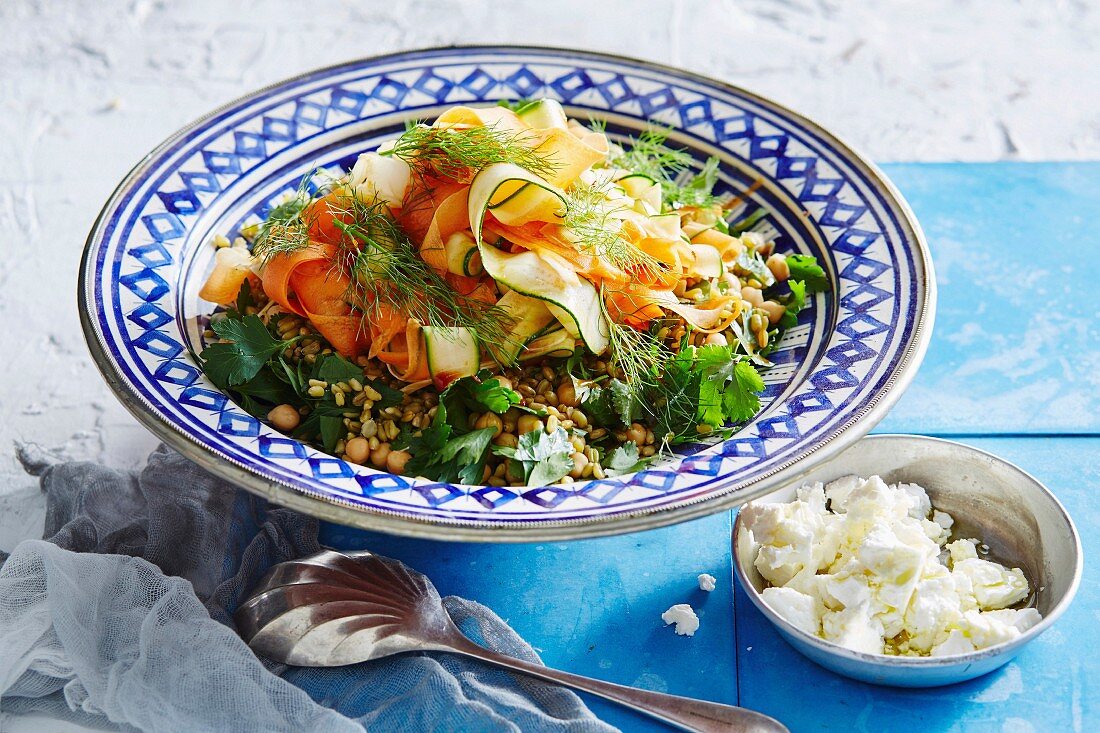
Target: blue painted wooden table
(1014,368)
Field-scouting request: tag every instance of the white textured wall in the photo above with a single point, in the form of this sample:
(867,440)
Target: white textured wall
(86,88)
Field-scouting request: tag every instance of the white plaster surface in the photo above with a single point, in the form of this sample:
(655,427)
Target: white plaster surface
(88,86)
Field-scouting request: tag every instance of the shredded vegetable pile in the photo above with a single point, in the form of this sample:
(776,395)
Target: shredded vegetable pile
(504,297)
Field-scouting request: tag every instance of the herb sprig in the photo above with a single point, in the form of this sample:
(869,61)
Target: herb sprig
(649,155)
(590,216)
(386,271)
(458,153)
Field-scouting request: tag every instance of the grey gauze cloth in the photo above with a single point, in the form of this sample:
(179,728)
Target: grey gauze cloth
(124,619)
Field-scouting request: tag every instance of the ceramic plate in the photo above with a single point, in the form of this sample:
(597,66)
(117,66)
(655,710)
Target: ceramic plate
(836,375)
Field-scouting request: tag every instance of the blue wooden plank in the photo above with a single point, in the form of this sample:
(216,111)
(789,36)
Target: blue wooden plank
(593,607)
(1051,686)
(1017,339)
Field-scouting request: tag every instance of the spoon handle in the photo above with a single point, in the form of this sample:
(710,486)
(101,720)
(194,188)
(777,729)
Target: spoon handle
(682,712)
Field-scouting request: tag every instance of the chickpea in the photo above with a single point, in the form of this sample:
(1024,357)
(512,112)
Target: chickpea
(504,381)
(715,339)
(636,433)
(379,455)
(490,420)
(506,439)
(396,460)
(567,394)
(528,423)
(357,450)
(778,265)
(580,461)
(752,295)
(774,310)
(284,418)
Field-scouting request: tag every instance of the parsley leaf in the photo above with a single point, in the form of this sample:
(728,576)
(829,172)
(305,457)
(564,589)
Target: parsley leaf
(545,457)
(624,460)
(334,368)
(250,346)
(805,269)
(476,394)
(438,456)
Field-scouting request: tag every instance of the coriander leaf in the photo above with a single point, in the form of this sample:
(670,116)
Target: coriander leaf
(244,299)
(740,400)
(624,460)
(496,397)
(250,346)
(610,405)
(796,301)
(550,469)
(622,400)
(596,404)
(714,363)
(805,269)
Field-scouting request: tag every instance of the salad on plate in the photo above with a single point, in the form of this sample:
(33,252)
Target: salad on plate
(504,297)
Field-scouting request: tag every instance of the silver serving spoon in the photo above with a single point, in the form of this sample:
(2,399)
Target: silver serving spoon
(333,608)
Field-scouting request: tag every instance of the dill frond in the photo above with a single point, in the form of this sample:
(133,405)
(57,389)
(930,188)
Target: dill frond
(385,268)
(285,230)
(648,154)
(637,355)
(589,214)
(459,153)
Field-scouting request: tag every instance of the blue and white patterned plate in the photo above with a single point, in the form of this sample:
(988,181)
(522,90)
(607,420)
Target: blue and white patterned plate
(836,374)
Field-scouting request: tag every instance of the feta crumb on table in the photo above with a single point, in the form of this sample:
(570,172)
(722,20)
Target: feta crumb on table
(868,566)
(687,623)
(707,582)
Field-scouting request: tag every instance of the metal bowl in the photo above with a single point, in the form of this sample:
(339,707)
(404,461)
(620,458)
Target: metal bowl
(1023,524)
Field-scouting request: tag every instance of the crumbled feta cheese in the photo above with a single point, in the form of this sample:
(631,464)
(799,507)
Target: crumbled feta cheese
(687,623)
(795,538)
(994,586)
(955,643)
(707,582)
(962,550)
(838,491)
(868,566)
(854,628)
(798,608)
